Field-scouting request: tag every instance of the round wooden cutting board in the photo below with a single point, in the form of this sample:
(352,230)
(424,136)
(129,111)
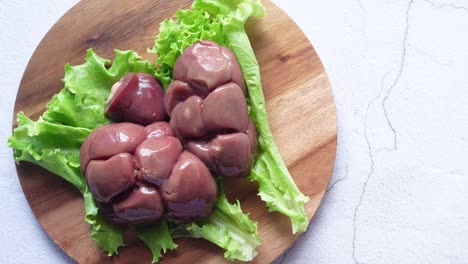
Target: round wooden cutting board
(299,102)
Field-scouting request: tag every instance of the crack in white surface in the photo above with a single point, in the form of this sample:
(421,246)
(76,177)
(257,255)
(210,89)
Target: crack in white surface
(445,5)
(371,156)
(340,179)
(397,79)
(384,106)
(402,64)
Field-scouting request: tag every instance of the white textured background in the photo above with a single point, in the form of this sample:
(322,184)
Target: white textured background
(399,190)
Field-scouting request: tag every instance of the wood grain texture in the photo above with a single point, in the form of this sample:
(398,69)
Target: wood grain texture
(300,106)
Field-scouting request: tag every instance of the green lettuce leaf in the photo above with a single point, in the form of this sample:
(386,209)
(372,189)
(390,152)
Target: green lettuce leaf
(174,36)
(54,140)
(54,147)
(106,235)
(157,237)
(276,186)
(229,228)
(81,103)
(223,22)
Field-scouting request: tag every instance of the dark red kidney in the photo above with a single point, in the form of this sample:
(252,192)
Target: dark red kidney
(136,98)
(176,92)
(203,66)
(208,83)
(191,191)
(158,130)
(236,71)
(187,118)
(142,205)
(252,133)
(229,155)
(125,165)
(201,149)
(108,178)
(107,209)
(155,158)
(206,65)
(112,139)
(225,109)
